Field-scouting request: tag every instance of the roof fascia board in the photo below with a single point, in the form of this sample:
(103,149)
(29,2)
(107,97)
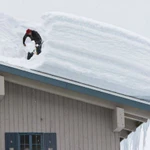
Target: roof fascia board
(75,95)
(77,88)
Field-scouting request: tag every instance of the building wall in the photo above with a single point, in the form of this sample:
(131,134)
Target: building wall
(79,126)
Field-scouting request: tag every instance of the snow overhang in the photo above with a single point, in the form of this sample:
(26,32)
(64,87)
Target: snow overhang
(76,86)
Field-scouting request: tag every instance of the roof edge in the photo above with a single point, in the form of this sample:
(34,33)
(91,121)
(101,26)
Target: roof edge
(73,86)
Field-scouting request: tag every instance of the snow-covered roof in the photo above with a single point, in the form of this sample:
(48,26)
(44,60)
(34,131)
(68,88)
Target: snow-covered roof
(83,50)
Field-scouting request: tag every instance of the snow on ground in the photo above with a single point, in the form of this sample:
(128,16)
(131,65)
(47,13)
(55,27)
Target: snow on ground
(83,50)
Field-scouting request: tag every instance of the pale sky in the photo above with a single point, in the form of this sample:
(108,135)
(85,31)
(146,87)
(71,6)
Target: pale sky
(133,15)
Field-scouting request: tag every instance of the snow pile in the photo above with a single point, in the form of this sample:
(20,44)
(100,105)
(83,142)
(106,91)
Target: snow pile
(86,51)
(96,53)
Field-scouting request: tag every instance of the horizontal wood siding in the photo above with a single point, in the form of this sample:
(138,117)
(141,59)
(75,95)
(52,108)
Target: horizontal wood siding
(78,125)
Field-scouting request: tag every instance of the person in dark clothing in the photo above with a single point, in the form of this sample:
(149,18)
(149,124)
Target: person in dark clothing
(34,36)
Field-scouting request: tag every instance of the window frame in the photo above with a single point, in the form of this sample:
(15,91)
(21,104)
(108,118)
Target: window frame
(30,134)
(48,140)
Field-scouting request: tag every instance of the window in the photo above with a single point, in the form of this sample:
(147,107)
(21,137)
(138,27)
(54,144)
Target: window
(24,142)
(30,141)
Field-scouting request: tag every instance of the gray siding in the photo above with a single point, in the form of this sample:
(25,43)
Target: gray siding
(79,126)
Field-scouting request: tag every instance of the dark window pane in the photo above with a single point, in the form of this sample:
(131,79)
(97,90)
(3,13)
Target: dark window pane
(33,139)
(36,147)
(21,139)
(24,147)
(36,139)
(26,139)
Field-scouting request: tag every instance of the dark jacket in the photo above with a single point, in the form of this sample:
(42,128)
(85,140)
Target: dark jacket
(34,37)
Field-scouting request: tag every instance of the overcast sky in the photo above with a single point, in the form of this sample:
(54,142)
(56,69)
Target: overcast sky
(133,15)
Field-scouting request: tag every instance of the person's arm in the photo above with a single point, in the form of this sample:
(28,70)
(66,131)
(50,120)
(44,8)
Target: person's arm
(24,39)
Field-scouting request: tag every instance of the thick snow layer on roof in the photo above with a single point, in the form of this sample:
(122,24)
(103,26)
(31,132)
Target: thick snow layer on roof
(83,50)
